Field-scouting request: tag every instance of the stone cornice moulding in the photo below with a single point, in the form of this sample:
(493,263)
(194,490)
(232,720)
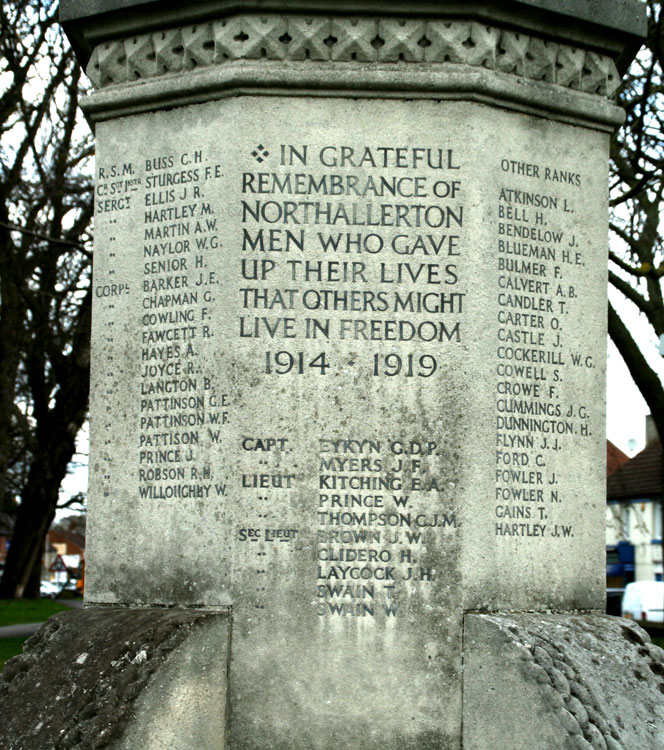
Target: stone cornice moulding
(347,56)
(300,38)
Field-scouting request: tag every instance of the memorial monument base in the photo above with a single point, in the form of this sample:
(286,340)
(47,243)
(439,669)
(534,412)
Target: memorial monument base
(347,383)
(549,681)
(119,678)
(159,679)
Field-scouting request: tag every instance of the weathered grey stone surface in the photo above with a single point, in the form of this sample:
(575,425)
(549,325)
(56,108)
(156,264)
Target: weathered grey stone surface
(119,679)
(348,340)
(344,445)
(561,682)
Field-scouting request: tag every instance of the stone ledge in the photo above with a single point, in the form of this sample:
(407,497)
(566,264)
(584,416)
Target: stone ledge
(542,681)
(119,678)
(444,82)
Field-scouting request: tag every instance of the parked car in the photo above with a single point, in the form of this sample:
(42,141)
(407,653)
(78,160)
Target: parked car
(71,585)
(644,600)
(49,589)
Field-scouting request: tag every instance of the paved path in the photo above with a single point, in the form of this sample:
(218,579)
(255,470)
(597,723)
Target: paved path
(19,631)
(72,603)
(26,629)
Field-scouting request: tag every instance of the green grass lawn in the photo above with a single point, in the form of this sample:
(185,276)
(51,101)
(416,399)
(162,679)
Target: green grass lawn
(10,647)
(18,611)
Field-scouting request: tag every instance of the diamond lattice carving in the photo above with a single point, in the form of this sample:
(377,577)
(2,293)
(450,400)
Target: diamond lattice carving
(347,41)
(198,45)
(541,60)
(447,41)
(169,50)
(141,57)
(230,39)
(401,40)
(599,75)
(511,56)
(482,45)
(569,66)
(108,64)
(264,37)
(307,38)
(352,39)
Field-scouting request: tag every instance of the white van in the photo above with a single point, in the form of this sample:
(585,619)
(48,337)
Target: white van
(644,600)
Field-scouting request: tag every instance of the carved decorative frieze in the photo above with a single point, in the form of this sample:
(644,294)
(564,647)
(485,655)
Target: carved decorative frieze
(350,41)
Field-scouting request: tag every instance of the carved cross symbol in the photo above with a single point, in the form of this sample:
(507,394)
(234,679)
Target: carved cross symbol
(260,153)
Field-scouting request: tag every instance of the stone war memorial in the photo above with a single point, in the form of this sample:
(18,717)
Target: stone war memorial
(347,475)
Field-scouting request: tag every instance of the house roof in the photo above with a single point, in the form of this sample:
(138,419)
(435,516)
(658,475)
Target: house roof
(615,458)
(71,537)
(640,477)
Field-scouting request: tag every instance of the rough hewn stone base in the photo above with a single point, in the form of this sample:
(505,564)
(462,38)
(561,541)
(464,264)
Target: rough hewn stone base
(549,682)
(157,680)
(119,678)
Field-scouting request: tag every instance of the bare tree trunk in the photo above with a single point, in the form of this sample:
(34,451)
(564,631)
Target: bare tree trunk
(55,444)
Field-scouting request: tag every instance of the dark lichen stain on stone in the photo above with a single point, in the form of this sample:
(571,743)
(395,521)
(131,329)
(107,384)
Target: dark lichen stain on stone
(174,586)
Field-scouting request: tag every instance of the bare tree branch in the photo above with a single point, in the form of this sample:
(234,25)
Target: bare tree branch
(45,214)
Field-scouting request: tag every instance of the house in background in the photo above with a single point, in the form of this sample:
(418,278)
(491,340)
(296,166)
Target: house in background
(615,458)
(64,548)
(64,553)
(634,514)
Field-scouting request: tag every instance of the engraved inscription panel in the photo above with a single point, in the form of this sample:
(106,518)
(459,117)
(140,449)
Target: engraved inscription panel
(345,355)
